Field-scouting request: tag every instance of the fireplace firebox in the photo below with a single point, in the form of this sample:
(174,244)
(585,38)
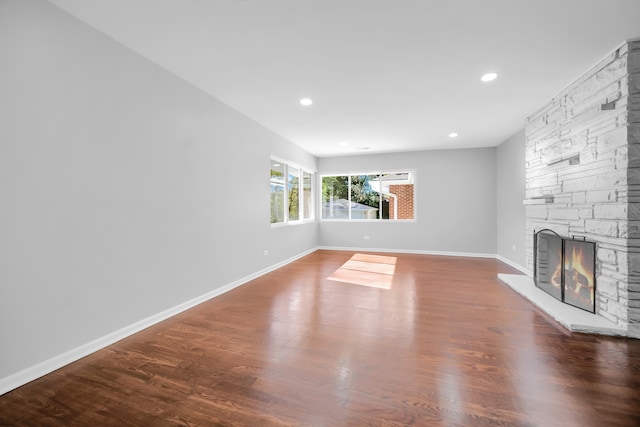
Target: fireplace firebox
(565,268)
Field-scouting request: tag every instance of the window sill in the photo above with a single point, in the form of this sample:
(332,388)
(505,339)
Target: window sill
(291,223)
(369,221)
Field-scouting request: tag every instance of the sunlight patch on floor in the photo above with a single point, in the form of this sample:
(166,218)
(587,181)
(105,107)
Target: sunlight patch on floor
(375,271)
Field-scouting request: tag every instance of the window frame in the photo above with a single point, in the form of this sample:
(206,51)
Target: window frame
(286,164)
(369,172)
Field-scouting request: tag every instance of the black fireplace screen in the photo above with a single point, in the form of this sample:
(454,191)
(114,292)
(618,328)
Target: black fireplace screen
(565,268)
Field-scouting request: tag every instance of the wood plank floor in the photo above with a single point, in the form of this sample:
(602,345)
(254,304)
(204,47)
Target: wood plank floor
(348,339)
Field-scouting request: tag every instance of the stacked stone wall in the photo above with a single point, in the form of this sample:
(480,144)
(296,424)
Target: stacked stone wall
(583,176)
(633,195)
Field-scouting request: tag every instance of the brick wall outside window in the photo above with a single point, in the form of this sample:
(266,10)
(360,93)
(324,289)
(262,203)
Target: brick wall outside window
(405,201)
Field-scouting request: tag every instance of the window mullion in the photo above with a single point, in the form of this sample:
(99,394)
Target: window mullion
(286,193)
(349,194)
(300,194)
(380,196)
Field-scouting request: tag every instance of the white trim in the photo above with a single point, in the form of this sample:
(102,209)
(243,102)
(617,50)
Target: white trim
(514,265)
(45,367)
(292,223)
(294,164)
(408,251)
(370,221)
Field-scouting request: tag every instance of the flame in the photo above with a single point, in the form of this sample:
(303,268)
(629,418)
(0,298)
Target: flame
(576,265)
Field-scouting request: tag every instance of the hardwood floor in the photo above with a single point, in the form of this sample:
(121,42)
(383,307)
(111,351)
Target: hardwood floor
(346,339)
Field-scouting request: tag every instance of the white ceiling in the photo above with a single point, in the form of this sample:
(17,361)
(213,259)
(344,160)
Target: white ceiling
(391,75)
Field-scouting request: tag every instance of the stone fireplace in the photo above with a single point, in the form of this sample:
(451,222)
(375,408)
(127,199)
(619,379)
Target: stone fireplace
(583,180)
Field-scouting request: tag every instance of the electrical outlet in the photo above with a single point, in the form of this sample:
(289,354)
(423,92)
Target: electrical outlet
(266,252)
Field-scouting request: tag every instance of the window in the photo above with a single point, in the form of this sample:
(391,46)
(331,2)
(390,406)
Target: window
(291,193)
(307,192)
(277,192)
(370,196)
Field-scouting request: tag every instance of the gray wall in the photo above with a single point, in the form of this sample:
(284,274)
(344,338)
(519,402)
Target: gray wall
(511,212)
(124,190)
(456,203)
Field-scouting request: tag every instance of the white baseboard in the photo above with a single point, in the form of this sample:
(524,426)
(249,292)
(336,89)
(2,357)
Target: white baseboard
(36,371)
(409,251)
(515,265)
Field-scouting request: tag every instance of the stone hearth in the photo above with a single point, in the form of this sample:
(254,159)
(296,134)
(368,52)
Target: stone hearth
(572,318)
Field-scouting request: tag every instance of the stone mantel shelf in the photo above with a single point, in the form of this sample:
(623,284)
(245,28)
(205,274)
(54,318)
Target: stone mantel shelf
(540,200)
(572,318)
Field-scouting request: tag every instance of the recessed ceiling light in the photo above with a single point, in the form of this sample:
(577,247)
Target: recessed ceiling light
(363,148)
(306,102)
(489,77)
(344,143)
(453,135)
